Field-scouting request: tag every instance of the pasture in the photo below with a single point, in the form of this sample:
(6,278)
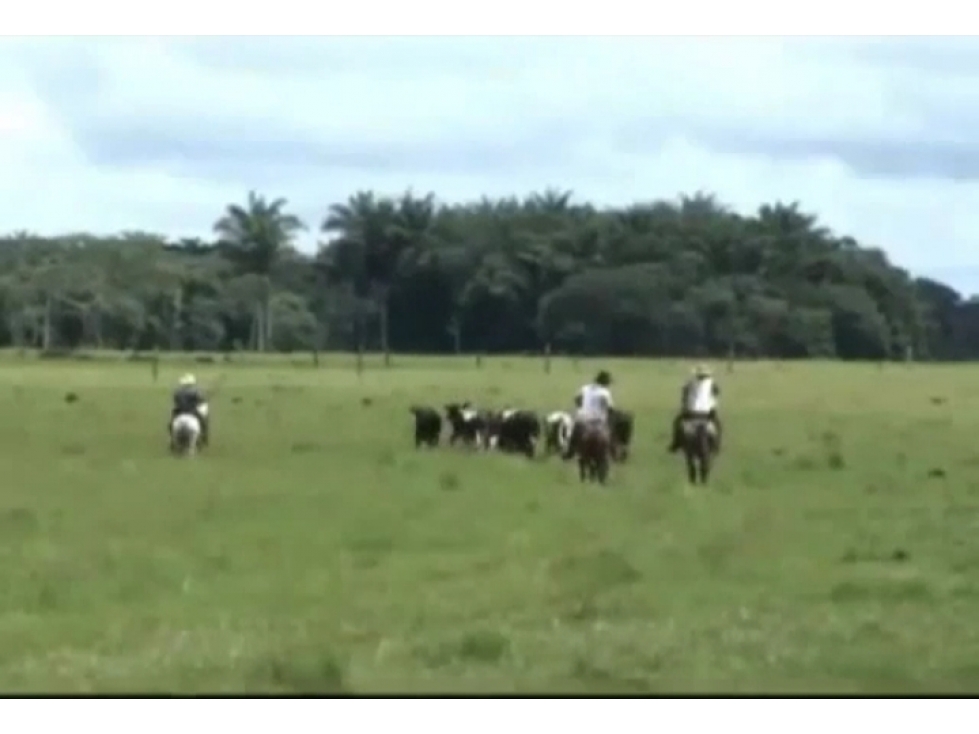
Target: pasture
(312,548)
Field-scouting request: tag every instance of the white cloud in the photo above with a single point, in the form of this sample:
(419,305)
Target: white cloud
(160,134)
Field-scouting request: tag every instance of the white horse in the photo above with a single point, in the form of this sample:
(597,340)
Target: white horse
(558,431)
(185,434)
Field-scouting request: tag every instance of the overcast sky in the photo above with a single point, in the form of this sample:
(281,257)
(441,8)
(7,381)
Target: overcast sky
(880,138)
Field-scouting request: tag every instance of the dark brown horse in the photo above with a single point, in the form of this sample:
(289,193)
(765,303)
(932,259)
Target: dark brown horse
(699,445)
(594,451)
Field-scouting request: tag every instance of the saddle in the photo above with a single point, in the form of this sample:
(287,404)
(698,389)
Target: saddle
(692,422)
(592,426)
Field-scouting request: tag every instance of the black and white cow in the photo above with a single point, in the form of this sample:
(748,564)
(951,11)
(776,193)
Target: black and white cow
(428,425)
(514,431)
(468,424)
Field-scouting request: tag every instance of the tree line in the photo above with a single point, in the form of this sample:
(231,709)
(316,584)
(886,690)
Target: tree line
(407,273)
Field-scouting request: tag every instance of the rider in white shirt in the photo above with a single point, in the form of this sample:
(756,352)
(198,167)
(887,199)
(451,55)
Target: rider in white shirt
(698,397)
(592,402)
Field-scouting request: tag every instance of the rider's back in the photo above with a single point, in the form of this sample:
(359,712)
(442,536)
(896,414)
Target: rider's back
(701,396)
(186,398)
(595,401)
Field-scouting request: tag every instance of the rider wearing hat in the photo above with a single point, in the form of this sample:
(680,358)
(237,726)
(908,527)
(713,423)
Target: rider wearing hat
(697,398)
(593,402)
(187,398)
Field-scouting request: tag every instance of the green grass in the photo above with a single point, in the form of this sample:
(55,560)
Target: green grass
(313,549)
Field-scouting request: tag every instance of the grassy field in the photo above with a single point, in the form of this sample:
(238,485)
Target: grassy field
(313,549)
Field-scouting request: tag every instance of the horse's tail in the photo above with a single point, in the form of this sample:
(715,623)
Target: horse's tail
(705,437)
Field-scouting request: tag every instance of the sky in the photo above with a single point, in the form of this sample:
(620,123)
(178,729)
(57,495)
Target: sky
(877,137)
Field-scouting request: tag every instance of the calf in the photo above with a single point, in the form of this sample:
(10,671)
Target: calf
(557,432)
(515,430)
(620,423)
(428,426)
(468,424)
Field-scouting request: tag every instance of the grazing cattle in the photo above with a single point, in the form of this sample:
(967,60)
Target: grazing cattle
(557,431)
(594,449)
(620,424)
(698,439)
(468,424)
(185,434)
(514,431)
(428,426)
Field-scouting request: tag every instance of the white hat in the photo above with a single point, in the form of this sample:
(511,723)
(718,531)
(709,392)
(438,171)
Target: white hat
(188,379)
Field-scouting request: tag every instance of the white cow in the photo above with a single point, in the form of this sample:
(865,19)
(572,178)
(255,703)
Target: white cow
(558,426)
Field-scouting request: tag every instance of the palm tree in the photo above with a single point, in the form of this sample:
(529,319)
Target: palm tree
(253,237)
(374,236)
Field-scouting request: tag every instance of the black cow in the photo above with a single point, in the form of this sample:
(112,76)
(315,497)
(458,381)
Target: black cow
(515,431)
(468,424)
(620,424)
(428,426)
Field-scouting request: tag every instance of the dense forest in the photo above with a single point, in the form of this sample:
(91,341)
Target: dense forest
(407,273)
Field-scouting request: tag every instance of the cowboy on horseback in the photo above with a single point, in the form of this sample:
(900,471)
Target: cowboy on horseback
(593,402)
(187,398)
(698,398)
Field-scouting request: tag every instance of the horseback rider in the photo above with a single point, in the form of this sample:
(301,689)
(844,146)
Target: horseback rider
(698,398)
(187,398)
(593,402)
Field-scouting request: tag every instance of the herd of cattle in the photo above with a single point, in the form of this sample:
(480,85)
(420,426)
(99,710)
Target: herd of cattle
(512,430)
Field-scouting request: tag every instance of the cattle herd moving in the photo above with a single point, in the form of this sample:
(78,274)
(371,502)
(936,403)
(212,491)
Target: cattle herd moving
(517,431)
(596,444)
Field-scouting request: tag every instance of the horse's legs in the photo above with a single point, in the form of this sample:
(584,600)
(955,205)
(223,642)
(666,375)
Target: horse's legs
(705,464)
(691,468)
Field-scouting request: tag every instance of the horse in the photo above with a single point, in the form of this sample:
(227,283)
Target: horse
(594,452)
(699,443)
(185,435)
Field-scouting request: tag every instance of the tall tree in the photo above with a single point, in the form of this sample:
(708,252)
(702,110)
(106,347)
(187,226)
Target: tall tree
(253,237)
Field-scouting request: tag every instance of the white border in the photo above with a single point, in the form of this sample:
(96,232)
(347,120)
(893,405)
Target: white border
(493,716)
(489,17)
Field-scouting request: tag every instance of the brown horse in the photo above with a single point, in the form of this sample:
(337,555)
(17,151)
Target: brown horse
(699,443)
(594,451)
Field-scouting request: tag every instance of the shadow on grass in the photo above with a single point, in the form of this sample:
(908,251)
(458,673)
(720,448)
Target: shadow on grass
(483,647)
(316,672)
